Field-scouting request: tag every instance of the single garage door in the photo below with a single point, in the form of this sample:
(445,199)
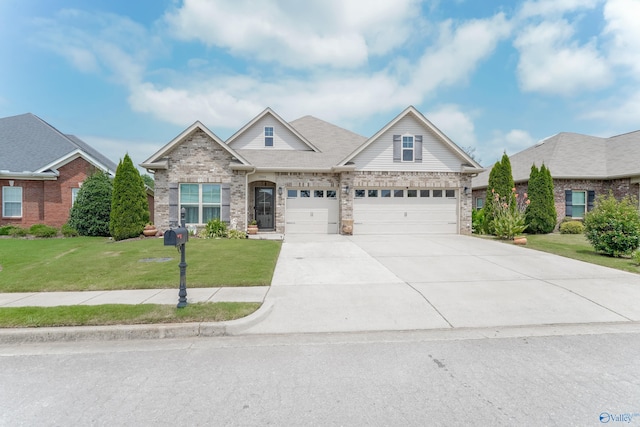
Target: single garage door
(405,211)
(311,211)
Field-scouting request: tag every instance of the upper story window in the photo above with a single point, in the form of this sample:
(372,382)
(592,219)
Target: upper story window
(407,148)
(268,136)
(12,202)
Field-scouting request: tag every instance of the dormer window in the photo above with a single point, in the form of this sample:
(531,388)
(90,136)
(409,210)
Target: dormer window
(407,148)
(268,136)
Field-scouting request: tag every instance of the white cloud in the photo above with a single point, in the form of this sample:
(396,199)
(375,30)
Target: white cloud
(510,142)
(456,124)
(620,110)
(622,26)
(554,8)
(115,149)
(551,62)
(332,33)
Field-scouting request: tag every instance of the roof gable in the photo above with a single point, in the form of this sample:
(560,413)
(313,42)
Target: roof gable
(270,117)
(158,161)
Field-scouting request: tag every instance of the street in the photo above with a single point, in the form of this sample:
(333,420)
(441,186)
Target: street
(545,375)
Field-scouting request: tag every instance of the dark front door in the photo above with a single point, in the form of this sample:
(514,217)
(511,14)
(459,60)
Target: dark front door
(264,207)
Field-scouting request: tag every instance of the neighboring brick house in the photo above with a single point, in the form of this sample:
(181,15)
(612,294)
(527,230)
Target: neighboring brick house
(41,171)
(582,168)
(309,176)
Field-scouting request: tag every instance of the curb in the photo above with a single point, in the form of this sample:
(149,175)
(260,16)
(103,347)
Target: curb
(134,332)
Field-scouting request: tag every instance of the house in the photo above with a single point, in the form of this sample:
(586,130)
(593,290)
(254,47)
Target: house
(310,176)
(41,170)
(582,168)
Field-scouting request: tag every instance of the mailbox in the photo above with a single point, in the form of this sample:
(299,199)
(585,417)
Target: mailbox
(176,236)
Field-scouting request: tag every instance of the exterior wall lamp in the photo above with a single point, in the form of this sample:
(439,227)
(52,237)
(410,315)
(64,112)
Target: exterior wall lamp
(345,188)
(279,191)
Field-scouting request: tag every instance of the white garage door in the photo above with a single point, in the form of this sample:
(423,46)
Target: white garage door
(311,211)
(405,211)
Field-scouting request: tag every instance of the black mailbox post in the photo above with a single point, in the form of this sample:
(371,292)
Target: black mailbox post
(178,237)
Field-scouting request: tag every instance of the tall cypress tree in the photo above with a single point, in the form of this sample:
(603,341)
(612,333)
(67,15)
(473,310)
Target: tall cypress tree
(129,207)
(541,212)
(500,183)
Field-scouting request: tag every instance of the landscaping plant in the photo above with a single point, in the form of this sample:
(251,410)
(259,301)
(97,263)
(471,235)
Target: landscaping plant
(215,228)
(540,215)
(613,226)
(91,211)
(509,219)
(129,206)
(572,227)
(501,183)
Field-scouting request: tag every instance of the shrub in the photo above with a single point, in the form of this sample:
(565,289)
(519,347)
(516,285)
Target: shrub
(129,206)
(500,182)
(90,212)
(635,257)
(42,230)
(613,226)
(215,228)
(572,227)
(541,213)
(69,231)
(236,234)
(509,218)
(19,232)
(478,225)
(7,230)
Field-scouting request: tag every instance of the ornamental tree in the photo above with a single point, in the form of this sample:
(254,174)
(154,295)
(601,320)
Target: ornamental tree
(540,215)
(129,207)
(92,208)
(500,183)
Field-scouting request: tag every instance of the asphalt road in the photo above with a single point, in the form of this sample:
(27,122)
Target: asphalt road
(563,375)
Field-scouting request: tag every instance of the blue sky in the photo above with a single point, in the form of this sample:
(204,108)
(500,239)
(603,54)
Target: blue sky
(495,76)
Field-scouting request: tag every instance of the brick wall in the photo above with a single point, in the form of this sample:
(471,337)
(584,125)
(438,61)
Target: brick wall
(49,202)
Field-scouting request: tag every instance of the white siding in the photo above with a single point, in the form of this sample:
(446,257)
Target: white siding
(283,138)
(436,154)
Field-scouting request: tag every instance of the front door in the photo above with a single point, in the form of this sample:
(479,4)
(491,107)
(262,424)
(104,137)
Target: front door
(264,207)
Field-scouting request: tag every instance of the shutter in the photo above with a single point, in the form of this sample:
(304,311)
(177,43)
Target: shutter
(174,216)
(225,199)
(397,149)
(568,206)
(417,148)
(591,198)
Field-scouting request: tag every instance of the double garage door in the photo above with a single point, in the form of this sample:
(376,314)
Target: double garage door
(311,211)
(405,211)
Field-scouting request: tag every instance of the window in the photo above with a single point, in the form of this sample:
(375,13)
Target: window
(331,194)
(12,202)
(373,193)
(412,193)
(407,148)
(398,193)
(305,193)
(479,203)
(437,193)
(385,193)
(360,193)
(292,194)
(200,201)
(424,193)
(450,193)
(268,136)
(579,204)
(74,195)
(318,193)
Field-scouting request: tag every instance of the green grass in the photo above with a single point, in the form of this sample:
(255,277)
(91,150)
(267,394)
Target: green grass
(576,246)
(94,263)
(116,314)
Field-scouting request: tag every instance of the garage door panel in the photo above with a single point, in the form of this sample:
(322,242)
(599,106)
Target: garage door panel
(311,215)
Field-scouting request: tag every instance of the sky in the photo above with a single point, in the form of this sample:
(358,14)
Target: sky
(495,76)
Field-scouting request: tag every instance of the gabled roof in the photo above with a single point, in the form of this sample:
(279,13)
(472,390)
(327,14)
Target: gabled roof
(159,161)
(472,165)
(332,144)
(269,111)
(575,156)
(30,145)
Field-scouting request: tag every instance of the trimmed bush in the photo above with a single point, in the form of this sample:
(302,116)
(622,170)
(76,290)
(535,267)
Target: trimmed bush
(635,257)
(7,230)
(69,231)
(42,230)
(572,227)
(19,232)
(90,213)
(478,223)
(236,234)
(129,206)
(613,226)
(215,228)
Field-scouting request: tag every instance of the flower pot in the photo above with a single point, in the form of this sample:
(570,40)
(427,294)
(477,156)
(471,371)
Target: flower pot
(150,232)
(520,240)
(252,229)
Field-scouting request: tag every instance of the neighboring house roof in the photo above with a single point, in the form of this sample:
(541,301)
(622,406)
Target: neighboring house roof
(575,156)
(470,164)
(29,145)
(159,161)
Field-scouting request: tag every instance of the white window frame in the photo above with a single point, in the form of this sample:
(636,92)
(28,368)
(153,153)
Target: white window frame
(74,195)
(479,203)
(6,190)
(268,136)
(409,139)
(200,203)
(573,204)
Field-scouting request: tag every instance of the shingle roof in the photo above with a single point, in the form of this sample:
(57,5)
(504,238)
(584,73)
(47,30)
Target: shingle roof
(575,156)
(29,144)
(334,144)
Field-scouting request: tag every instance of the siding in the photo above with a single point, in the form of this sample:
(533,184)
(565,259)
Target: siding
(283,138)
(437,156)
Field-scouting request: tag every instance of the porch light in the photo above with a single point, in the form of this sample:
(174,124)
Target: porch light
(345,188)
(279,191)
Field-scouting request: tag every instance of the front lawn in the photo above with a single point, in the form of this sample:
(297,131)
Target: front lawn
(95,263)
(576,246)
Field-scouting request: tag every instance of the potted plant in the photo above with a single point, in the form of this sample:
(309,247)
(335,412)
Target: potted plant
(252,228)
(150,230)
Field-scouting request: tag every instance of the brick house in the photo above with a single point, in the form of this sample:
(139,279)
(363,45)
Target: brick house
(41,170)
(582,168)
(310,176)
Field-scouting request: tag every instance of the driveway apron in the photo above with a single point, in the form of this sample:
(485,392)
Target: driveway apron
(333,283)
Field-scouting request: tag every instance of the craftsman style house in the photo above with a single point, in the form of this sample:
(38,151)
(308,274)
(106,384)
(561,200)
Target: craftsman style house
(41,170)
(309,176)
(582,168)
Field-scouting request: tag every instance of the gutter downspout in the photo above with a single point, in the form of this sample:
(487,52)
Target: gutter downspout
(246,197)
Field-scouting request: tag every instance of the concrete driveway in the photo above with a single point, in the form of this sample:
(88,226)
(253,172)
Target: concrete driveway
(332,283)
